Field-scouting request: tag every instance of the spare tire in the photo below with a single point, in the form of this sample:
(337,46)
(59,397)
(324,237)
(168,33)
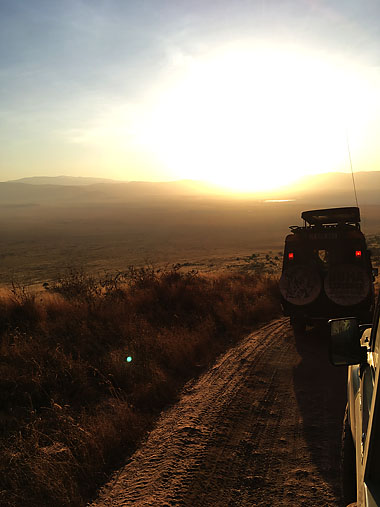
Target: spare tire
(347,284)
(300,284)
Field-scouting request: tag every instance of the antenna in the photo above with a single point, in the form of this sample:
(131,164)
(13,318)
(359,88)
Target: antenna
(352,171)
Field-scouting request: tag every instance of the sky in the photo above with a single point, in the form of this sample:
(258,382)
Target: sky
(246,94)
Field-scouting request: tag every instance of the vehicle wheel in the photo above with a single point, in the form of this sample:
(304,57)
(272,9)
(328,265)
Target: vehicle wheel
(298,324)
(348,464)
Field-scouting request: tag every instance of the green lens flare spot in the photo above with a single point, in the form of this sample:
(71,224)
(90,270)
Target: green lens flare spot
(128,359)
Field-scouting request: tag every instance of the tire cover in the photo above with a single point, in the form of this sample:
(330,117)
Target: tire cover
(347,284)
(300,285)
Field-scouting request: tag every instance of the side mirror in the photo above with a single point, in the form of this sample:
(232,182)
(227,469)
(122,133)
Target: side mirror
(345,346)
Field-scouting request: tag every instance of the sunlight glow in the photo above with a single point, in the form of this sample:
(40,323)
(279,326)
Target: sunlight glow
(259,118)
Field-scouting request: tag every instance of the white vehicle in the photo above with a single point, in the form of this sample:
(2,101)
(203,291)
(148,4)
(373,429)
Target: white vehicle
(358,346)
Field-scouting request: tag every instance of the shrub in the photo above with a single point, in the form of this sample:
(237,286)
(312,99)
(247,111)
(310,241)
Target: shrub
(72,407)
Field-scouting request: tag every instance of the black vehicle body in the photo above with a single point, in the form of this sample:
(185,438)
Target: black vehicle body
(327,270)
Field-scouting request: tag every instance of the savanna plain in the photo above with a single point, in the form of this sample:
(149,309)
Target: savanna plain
(108,309)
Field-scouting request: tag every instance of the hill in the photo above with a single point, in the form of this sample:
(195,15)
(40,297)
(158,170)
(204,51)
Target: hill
(62,180)
(59,192)
(367,184)
(322,190)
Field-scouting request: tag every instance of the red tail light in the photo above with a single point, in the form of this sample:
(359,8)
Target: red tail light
(290,256)
(358,253)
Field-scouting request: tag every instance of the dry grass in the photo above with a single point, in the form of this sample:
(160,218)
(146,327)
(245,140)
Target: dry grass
(72,407)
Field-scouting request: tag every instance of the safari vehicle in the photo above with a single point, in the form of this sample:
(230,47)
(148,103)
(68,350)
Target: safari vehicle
(327,269)
(358,346)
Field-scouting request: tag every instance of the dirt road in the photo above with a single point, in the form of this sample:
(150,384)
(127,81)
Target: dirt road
(260,428)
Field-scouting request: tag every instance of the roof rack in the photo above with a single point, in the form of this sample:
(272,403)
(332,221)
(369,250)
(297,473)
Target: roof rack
(347,215)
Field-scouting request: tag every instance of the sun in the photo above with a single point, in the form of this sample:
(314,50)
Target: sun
(257,118)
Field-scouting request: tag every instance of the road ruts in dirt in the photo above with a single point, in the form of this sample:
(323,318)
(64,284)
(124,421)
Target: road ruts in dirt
(260,428)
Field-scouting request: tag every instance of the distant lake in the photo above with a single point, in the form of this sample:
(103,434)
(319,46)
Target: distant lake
(279,200)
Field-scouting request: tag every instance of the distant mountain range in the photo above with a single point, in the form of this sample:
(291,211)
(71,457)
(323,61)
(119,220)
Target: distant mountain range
(331,182)
(336,189)
(66,190)
(62,180)
(323,190)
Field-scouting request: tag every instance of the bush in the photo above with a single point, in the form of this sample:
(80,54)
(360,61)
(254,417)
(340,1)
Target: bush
(72,406)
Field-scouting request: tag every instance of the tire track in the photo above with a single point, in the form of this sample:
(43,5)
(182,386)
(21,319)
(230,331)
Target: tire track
(235,438)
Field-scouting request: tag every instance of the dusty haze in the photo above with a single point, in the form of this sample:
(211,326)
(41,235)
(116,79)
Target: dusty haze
(49,224)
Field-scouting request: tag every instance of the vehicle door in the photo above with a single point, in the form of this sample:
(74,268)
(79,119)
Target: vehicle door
(367,428)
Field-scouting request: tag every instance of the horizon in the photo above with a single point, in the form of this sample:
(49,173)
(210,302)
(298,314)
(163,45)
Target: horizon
(204,182)
(244,97)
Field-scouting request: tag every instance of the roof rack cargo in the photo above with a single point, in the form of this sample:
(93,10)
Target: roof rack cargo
(350,215)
